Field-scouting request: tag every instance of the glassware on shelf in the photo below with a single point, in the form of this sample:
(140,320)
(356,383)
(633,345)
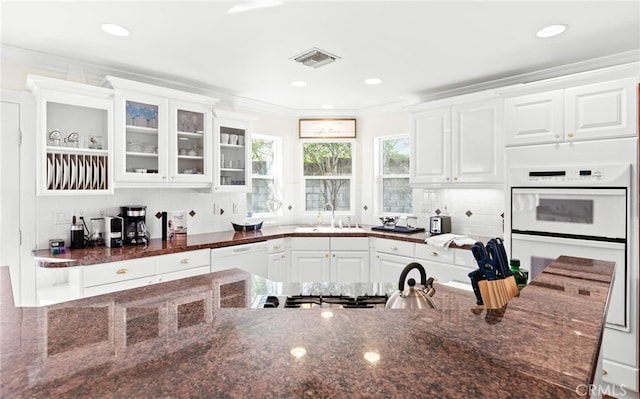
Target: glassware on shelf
(182,124)
(150,115)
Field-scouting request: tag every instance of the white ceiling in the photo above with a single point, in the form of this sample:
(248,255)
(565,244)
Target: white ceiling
(416,47)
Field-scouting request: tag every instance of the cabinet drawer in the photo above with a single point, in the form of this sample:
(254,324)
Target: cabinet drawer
(310,243)
(465,258)
(182,261)
(620,374)
(349,243)
(429,253)
(275,246)
(119,286)
(402,248)
(119,271)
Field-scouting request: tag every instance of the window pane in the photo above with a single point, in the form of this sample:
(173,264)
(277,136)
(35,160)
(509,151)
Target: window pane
(262,156)
(395,156)
(319,192)
(261,191)
(396,196)
(327,159)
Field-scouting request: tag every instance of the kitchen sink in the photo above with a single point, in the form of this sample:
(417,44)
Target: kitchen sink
(333,230)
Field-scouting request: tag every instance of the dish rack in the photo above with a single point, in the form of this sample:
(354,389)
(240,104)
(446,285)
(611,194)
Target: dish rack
(77,172)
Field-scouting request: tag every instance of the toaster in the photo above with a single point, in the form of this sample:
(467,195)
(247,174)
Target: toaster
(440,224)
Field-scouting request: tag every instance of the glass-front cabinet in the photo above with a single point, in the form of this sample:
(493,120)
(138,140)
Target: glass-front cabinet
(232,169)
(163,136)
(74,135)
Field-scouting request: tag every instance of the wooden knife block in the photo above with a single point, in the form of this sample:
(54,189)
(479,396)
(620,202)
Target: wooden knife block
(497,293)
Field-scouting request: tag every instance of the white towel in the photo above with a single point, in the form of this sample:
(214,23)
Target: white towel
(444,240)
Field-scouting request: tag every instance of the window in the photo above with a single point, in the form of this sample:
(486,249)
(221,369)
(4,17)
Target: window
(395,193)
(328,175)
(265,194)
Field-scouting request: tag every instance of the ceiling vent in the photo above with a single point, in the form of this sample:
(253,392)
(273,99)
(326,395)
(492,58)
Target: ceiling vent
(315,58)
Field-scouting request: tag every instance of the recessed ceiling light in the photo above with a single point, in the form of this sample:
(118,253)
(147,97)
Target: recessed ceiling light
(115,30)
(373,81)
(327,106)
(551,30)
(298,83)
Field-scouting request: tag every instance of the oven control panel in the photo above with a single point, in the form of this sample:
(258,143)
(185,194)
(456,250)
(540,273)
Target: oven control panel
(579,175)
(567,175)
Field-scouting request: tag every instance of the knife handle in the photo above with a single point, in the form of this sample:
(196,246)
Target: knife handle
(476,276)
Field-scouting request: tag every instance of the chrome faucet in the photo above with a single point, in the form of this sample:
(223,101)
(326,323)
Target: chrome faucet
(333,213)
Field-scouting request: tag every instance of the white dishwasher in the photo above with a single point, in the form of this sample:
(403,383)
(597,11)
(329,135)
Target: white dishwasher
(251,258)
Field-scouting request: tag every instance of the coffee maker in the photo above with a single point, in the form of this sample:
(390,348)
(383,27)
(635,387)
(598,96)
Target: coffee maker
(113,233)
(135,228)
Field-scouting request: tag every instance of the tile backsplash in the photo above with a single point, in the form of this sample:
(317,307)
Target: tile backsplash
(472,211)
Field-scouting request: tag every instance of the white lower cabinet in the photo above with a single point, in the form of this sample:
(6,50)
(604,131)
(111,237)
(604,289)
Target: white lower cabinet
(446,265)
(117,276)
(390,258)
(251,258)
(183,264)
(329,259)
(278,265)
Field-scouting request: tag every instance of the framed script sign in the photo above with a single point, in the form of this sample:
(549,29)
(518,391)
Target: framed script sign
(329,128)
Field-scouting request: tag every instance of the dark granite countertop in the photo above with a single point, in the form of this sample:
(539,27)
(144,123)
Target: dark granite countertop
(102,254)
(193,338)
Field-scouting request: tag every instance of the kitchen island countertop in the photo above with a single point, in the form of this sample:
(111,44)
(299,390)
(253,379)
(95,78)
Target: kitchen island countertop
(193,338)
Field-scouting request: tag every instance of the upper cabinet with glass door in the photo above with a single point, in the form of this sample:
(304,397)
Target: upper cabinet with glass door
(162,136)
(74,137)
(232,168)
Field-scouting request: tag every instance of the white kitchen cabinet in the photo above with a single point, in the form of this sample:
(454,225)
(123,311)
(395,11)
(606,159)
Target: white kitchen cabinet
(232,148)
(74,134)
(251,258)
(349,259)
(310,259)
(117,276)
(278,264)
(330,259)
(460,142)
(390,258)
(182,264)
(443,263)
(163,137)
(586,112)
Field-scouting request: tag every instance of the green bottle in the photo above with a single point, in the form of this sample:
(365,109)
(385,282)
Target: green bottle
(521,276)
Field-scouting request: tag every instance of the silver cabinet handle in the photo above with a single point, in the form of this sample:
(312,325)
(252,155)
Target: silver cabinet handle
(184,261)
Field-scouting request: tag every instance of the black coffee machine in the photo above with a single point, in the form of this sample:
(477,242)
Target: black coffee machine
(135,228)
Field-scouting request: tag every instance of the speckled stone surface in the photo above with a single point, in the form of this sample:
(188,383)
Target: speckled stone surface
(96,255)
(183,339)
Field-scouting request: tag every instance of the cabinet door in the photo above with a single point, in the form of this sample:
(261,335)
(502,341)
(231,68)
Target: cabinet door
(601,110)
(190,147)
(387,268)
(232,168)
(349,266)
(277,267)
(534,119)
(477,143)
(141,137)
(307,266)
(431,146)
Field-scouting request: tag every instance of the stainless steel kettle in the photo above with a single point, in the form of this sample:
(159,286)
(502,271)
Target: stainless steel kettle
(413,297)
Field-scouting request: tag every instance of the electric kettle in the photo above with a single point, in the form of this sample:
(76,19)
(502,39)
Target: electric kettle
(413,297)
